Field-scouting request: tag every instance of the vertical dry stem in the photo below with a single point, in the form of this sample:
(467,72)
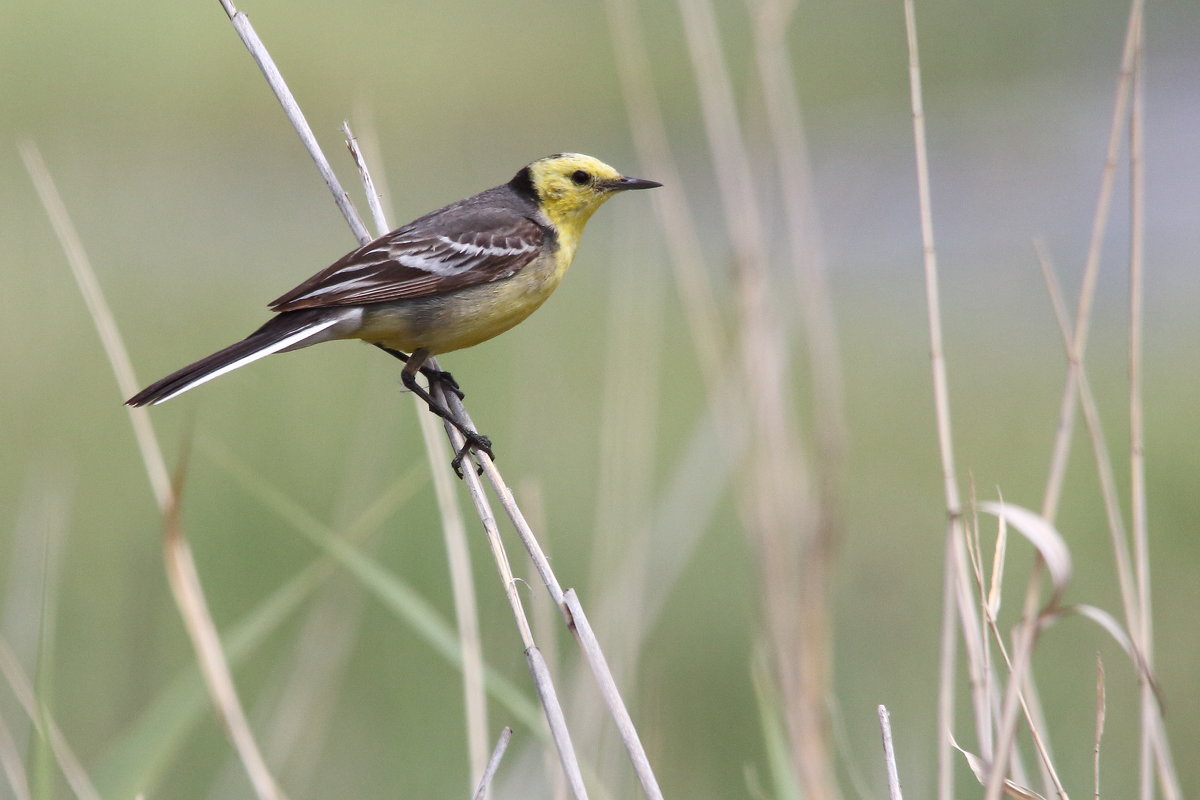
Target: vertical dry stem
(941,400)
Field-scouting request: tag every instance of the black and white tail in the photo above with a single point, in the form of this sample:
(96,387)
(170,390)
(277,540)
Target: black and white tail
(286,331)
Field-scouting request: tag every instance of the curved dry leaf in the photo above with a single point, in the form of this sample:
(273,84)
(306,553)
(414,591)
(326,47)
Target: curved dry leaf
(980,768)
(1114,629)
(1044,536)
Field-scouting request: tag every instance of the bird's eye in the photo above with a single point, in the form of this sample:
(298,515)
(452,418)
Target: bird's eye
(580,178)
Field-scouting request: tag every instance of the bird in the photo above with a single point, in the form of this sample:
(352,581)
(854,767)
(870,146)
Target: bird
(448,280)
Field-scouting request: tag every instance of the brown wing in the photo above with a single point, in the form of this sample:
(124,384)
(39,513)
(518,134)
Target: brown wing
(438,253)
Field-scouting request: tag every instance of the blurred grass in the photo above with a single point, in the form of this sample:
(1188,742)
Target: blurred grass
(198,205)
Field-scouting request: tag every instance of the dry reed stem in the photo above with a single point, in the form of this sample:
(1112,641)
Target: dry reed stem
(1026,636)
(954,567)
(990,621)
(291,108)
(889,754)
(542,680)
(612,696)
(1091,416)
(22,689)
(374,197)
(185,582)
(1137,456)
(1101,708)
(458,554)
(493,764)
(1109,494)
(1062,445)
(588,644)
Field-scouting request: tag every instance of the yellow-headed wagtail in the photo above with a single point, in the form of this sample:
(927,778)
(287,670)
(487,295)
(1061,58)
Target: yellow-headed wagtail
(448,280)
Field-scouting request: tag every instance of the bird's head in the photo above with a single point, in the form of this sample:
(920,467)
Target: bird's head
(571,186)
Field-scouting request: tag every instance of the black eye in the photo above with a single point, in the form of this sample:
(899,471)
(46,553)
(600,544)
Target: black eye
(580,178)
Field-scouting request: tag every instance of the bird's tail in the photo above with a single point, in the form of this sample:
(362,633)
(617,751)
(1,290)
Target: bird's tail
(286,331)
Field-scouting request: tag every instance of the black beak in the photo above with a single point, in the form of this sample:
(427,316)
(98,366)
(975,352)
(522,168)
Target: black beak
(625,184)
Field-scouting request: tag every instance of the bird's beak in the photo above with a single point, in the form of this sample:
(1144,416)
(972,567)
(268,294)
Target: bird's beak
(625,184)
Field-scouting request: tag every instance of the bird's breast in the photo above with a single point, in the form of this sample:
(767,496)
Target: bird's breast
(446,322)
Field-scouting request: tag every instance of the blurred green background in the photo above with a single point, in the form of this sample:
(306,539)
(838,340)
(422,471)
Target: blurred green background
(197,204)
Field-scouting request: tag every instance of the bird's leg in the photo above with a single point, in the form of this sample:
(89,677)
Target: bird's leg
(440,375)
(473,440)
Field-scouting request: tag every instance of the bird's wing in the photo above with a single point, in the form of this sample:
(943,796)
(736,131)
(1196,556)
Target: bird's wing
(435,254)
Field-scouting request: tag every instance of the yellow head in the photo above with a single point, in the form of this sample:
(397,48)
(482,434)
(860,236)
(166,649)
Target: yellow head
(570,187)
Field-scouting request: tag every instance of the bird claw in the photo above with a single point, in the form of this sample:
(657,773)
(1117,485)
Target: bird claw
(446,380)
(473,441)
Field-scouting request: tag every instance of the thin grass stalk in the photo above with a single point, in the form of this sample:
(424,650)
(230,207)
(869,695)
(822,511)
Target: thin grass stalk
(612,696)
(1168,777)
(1137,456)
(1087,291)
(379,215)
(185,582)
(1026,636)
(1101,710)
(947,667)
(590,647)
(545,630)
(489,771)
(989,602)
(249,37)
(537,665)
(889,754)
(1036,725)
(458,554)
(941,399)
(974,639)
(1091,415)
